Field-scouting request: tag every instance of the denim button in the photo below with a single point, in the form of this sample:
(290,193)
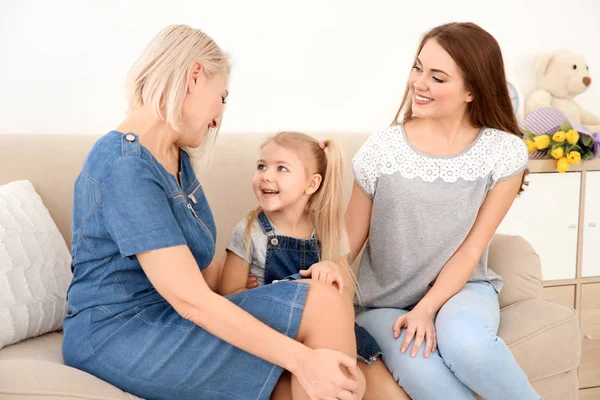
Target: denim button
(130,137)
(274,241)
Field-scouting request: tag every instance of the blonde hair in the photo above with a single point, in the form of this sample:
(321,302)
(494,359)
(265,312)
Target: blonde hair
(158,79)
(325,205)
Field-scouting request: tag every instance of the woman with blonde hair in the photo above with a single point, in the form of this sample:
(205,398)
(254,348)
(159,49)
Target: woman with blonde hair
(142,311)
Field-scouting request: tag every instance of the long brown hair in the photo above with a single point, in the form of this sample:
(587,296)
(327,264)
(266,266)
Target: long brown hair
(479,57)
(325,205)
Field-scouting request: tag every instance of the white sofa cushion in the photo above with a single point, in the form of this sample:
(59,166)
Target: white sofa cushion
(34,266)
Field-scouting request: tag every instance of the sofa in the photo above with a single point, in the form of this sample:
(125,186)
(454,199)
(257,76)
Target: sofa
(543,336)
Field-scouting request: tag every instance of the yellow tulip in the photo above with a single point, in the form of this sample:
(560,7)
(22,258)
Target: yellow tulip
(531,146)
(559,136)
(542,141)
(574,157)
(558,153)
(563,165)
(572,136)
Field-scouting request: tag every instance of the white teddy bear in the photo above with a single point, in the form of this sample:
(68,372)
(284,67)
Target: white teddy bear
(561,76)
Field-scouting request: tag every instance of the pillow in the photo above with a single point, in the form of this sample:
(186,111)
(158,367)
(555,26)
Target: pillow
(34,266)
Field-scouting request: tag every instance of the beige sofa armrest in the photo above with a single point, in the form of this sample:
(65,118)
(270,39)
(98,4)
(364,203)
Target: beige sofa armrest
(513,258)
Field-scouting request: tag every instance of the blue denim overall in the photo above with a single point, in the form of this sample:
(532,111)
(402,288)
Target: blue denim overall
(286,256)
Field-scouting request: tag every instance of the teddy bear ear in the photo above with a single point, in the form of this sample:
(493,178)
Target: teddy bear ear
(543,63)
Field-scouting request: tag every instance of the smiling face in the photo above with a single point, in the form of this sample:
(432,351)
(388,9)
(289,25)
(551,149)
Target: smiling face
(281,179)
(437,84)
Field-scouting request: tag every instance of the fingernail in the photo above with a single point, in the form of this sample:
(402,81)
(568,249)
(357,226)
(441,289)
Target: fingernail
(396,334)
(403,349)
(427,355)
(413,355)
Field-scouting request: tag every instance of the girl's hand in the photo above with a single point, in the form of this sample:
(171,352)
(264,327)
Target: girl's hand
(320,372)
(252,282)
(419,325)
(326,271)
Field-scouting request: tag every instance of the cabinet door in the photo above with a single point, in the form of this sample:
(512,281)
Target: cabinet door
(564,295)
(591,230)
(589,368)
(547,216)
(589,394)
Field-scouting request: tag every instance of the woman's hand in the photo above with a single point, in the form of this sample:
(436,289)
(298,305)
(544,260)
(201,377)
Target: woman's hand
(320,372)
(326,271)
(419,325)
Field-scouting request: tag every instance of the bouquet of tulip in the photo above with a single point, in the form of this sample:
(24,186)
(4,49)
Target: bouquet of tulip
(563,142)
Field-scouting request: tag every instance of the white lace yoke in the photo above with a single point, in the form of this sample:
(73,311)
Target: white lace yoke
(494,154)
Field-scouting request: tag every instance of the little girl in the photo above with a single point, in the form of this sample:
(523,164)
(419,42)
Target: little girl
(297,230)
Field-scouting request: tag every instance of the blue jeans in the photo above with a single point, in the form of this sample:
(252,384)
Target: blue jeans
(470,355)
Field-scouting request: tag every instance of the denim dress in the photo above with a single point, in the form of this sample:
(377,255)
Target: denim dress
(286,256)
(118,327)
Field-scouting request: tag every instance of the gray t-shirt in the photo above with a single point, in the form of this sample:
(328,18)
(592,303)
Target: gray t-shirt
(257,252)
(424,208)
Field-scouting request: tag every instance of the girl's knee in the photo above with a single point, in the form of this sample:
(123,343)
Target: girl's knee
(326,298)
(325,306)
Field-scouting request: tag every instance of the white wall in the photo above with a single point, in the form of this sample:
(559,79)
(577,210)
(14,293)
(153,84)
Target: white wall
(312,65)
